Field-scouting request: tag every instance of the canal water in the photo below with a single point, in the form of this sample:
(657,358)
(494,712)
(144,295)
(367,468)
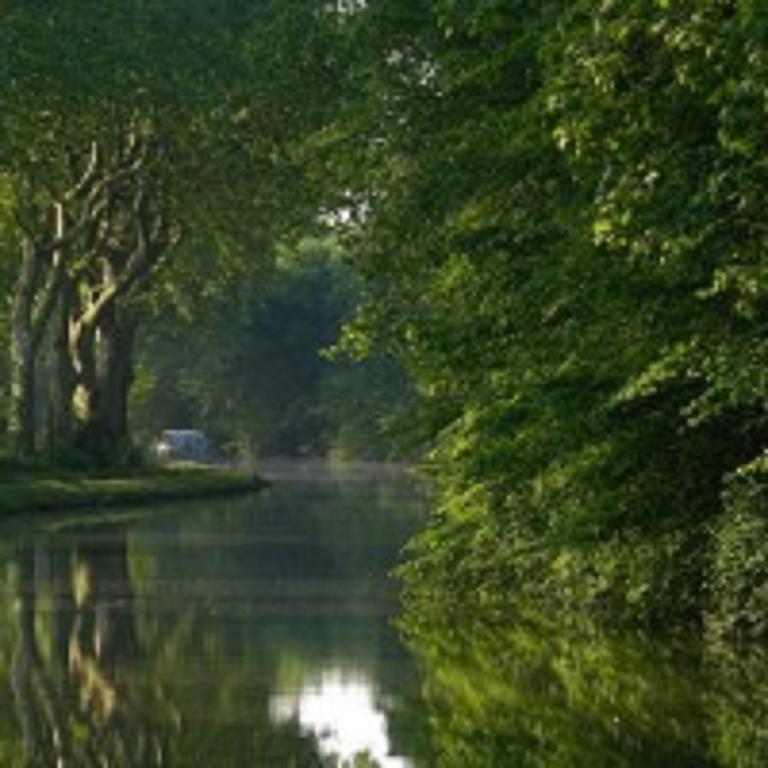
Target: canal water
(259,632)
(239,632)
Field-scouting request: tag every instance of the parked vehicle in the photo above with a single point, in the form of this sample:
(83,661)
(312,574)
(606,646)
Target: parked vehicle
(183,445)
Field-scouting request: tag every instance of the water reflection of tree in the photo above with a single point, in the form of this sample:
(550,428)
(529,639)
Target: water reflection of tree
(296,593)
(89,690)
(76,633)
(538,695)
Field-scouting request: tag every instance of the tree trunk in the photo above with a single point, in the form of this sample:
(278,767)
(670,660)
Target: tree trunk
(21,406)
(62,381)
(117,333)
(21,416)
(35,294)
(85,398)
(103,358)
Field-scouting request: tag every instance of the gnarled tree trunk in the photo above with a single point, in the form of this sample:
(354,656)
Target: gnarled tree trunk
(36,292)
(62,380)
(115,374)
(105,373)
(23,354)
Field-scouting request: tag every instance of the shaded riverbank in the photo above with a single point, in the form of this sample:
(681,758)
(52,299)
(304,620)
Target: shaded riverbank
(46,489)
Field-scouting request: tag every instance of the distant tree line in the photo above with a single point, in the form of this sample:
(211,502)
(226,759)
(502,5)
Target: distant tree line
(259,374)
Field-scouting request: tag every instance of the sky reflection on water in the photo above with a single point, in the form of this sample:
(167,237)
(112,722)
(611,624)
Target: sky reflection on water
(341,710)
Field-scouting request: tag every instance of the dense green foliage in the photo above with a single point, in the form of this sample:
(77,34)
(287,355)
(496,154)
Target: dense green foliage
(561,219)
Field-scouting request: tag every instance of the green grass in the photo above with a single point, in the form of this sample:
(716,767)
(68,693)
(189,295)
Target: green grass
(42,489)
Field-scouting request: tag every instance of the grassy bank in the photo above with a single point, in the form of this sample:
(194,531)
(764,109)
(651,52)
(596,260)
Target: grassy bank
(45,489)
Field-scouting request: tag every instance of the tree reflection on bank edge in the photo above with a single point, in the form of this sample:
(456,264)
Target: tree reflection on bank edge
(535,693)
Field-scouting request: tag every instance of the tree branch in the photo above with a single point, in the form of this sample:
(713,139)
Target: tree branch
(87,177)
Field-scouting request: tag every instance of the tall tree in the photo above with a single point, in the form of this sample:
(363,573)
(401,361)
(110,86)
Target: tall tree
(194,140)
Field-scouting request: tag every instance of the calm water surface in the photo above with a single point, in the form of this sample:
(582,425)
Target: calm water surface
(258,632)
(248,632)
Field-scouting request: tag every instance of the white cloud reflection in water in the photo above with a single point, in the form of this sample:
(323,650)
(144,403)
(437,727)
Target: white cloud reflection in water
(340,710)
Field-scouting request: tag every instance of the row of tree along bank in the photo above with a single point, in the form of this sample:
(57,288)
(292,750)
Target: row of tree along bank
(135,175)
(561,212)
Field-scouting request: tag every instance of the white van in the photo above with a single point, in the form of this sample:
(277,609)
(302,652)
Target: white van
(183,445)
